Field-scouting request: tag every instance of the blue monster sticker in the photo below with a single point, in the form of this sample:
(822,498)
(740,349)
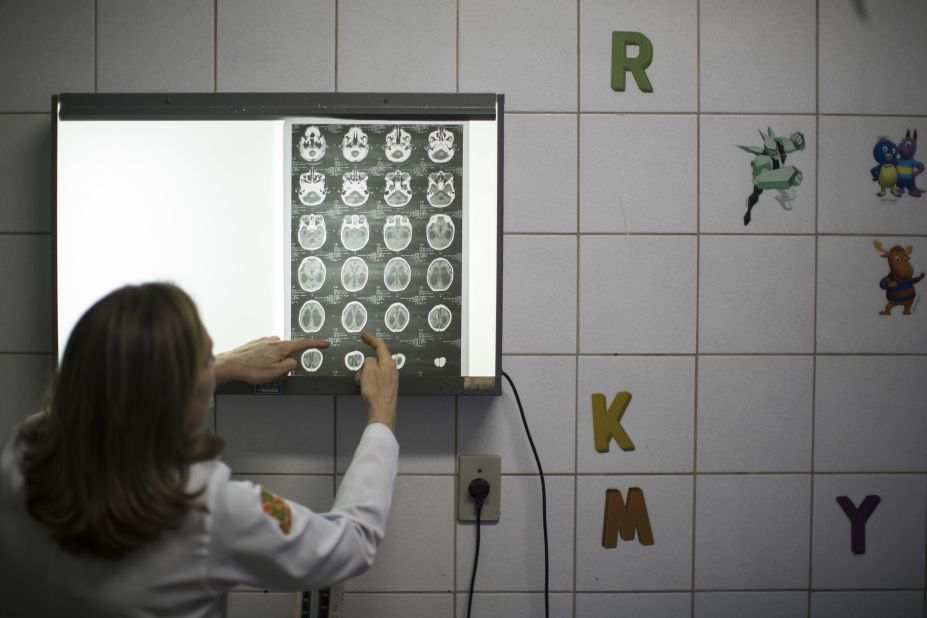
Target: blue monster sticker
(908,167)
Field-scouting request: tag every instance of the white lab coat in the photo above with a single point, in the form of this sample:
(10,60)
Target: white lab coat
(188,571)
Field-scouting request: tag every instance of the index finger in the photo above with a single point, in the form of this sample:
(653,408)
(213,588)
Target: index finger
(298,345)
(378,346)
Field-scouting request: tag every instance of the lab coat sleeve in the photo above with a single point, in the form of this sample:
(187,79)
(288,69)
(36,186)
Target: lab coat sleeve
(309,550)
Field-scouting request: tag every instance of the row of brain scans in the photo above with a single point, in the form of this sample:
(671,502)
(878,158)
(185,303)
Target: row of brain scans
(354,317)
(355,146)
(312,360)
(397,274)
(397,189)
(355,232)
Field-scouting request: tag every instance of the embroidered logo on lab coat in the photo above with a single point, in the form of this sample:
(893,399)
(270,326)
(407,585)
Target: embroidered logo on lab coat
(278,509)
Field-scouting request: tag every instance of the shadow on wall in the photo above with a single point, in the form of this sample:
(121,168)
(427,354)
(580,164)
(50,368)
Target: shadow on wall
(861,11)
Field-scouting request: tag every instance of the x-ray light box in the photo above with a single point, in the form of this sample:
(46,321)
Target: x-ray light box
(296,215)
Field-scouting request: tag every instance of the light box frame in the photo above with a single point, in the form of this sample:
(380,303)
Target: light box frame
(409,107)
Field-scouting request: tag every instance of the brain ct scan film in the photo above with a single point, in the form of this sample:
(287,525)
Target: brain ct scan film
(374,242)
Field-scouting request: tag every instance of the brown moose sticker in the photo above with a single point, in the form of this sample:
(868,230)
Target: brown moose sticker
(900,280)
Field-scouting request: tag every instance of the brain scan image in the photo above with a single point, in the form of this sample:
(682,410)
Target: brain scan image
(354,146)
(396,317)
(439,232)
(440,145)
(354,188)
(354,360)
(312,189)
(312,232)
(441,361)
(354,274)
(398,145)
(312,145)
(311,360)
(439,318)
(311,316)
(396,274)
(398,191)
(354,317)
(311,274)
(355,232)
(440,189)
(400,360)
(397,232)
(440,275)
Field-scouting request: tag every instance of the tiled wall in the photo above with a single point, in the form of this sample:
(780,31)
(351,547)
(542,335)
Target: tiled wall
(764,381)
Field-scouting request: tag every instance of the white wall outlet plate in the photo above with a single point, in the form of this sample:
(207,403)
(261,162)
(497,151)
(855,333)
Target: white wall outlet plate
(470,467)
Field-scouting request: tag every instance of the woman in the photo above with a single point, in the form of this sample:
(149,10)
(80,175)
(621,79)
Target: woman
(113,503)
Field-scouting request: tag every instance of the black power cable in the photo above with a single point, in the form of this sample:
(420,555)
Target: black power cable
(537,460)
(479,489)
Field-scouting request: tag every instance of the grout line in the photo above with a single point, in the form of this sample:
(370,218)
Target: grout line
(698,250)
(337,31)
(96,37)
(578,303)
(814,297)
(619,234)
(215,46)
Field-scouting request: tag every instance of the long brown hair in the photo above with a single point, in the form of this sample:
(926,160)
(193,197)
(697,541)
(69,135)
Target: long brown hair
(106,466)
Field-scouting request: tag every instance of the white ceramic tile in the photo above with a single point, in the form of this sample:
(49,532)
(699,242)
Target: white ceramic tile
(540,173)
(539,294)
(850,298)
(638,174)
(870,54)
(849,202)
(418,551)
(25,151)
(670,25)
(754,413)
(399,605)
(277,434)
(752,531)
(726,178)
(512,549)
(25,304)
(254,604)
(314,492)
(515,605)
(897,604)
(869,414)
(756,294)
(659,420)
(493,425)
(424,430)
(894,556)
(45,48)
(637,294)
(167,46)
(757,56)
(525,49)
(382,46)
(282,45)
(753,604)
(665,565)
(23,381)
(639,605)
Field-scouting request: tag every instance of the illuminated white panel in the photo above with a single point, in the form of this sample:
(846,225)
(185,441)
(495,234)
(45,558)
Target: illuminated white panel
(196,203)
(480,267)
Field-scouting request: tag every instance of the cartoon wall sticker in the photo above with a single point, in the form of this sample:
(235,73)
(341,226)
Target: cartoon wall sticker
(770,171)
(897,169)
(908,167)
(886,171)
(900,280)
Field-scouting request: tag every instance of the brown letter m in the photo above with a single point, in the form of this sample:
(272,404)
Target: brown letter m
(625,518)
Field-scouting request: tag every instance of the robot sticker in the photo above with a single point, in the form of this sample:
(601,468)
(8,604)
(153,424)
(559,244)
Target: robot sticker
(900,281)
(374,218)
(896,169)
(770,171)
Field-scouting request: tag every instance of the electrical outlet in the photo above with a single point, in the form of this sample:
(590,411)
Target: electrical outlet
(471,467)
